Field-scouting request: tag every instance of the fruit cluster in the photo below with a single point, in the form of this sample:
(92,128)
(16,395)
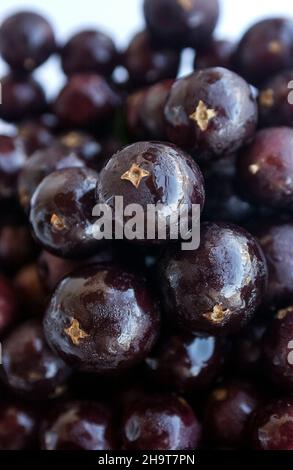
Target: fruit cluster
(138,344)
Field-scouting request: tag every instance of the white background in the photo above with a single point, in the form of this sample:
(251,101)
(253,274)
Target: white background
(122,18)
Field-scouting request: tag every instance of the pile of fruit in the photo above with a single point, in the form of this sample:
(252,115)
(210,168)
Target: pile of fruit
(138,344)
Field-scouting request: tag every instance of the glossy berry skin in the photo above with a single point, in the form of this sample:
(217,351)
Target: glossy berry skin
(86,100)
(9,309)
(89,51)
(102,319)
(276,241)
(217,287)
(40,165)
(160,422)
(272,426)
(211,122)
(30,368)
(26,41)
(61,212)
(265,49)
(217,54)
(79,426)
(147,63)
(18,426)
(228,411)
(277,349)
(34,136)
(182,22)
(265,168)
(22,98)
(12,159)
(186,363)
(145,111)
(152,173)
(51,269)
(274,100)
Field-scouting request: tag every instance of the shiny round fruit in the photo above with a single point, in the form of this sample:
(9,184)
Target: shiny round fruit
(34,136)
(102,319)
(278,349)
(79,426)
(272,426)
(12,160)
(147,63)
(186,363)
(18,426)
(30,368)
(145,111)
(275,101)
(86,100)
(89,51)
(210,113)
(276,241)
(61,212)
(265,49)
(179,23)
(152,173)
(265,168)
(228,411)
(26,41)
(40,165)
(216,54)
(22,98)
(160,422)
(218,287)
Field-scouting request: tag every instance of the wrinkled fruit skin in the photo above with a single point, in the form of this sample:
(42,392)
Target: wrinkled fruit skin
(30,368)
(218,287)
(272,426)
(170,177)
(265,168)
(277,349)
(162,422)
(61,213)
(79,426)
(230,124)
(228,411)
(186,363)
(26,41)
(102,319)
(185,24)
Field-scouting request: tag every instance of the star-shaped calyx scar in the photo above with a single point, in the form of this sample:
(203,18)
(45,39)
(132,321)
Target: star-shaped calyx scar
(186,4)
(75,333)
(203,115)
(135,174)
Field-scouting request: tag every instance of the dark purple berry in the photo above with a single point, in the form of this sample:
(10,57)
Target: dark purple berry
(147,63)
(274,101)
(22,98)
(216,54)
(180,23)
(12,160)
(265,168)
(9,308)
(18,426)
(265,49)
(218,287)
(228,411)
(35,136)
(211,113)
(87,100)
(30,368)
(79,426)
(186,363)
(102,319)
